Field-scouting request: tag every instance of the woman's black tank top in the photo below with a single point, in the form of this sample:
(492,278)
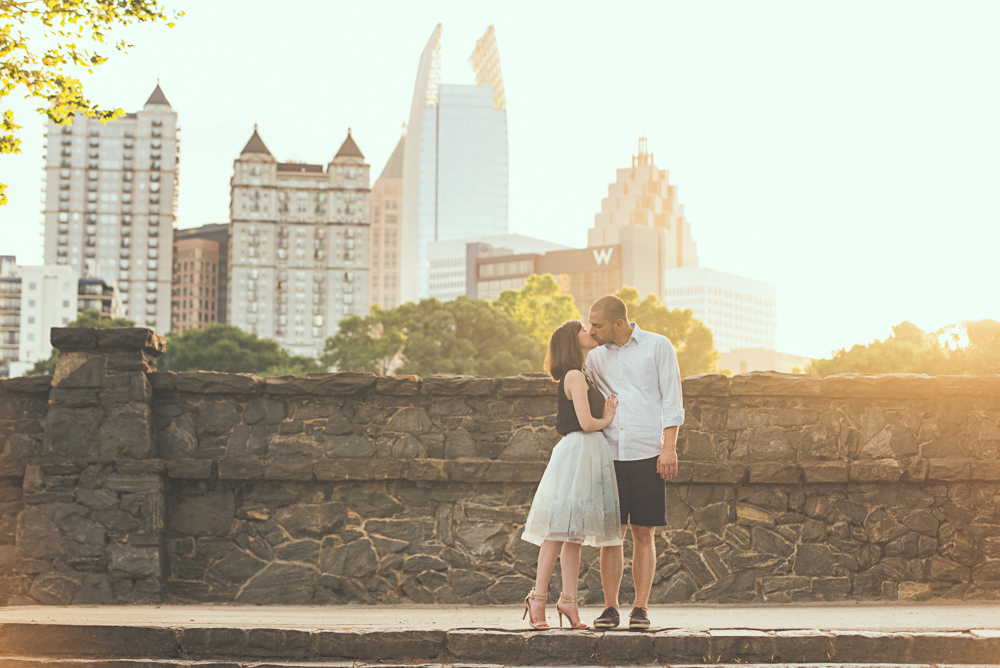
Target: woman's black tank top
(566,420)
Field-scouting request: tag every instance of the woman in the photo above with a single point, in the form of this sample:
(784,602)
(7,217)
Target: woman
(576,502)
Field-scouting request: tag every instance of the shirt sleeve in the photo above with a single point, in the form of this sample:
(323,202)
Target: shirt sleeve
(672,401)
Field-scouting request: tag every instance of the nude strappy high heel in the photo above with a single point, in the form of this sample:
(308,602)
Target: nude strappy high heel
(533,595)
(569,599)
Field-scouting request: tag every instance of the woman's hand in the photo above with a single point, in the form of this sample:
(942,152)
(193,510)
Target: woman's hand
(610,406)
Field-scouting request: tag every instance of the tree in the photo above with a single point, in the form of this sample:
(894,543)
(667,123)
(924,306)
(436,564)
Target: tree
(89,318)
(973,348)
(219,347)
(464,336)
(691,339)
(539,307)
(364,344)
(72,31)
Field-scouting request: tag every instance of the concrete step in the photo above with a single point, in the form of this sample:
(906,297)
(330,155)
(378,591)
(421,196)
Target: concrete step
(237,646)
(29,662)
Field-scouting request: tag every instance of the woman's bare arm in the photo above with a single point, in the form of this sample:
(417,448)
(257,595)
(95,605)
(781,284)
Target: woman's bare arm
(575,388)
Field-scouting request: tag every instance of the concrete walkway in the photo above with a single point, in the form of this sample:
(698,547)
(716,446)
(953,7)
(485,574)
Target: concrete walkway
(886,617)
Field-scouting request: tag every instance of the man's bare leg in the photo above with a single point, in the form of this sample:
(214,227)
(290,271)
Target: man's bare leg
(612,569)
(643,563)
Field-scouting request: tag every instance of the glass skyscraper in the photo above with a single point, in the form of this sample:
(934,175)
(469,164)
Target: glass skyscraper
(455,167)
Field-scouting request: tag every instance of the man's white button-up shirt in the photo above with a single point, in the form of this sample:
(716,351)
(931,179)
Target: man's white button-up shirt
(645,377)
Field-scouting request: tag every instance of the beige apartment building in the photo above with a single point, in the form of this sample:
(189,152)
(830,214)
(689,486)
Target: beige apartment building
(386,231)
(642,197)
(298,245)
(111,202)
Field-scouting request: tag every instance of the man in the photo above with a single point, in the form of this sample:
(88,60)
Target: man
(640,368)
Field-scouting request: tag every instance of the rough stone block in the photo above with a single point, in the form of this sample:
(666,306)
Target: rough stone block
(775,383)
(115,340)
(951,468)
(134,562)
(625,647)
(194,469)
(215,382)
(26,385)
(988,470)
(359,469)
(289,469)
(285,644)
(478,645)
(404,646)
(80,641)
(725,473)
(457,386)
(515,471)
(742,645)
(240,468)
(682,646)
(557,646)
(976,386)
(803,646)
(880,386)
(876,470)
(73,338)
(528,385)
(312,384)
(134,483)
(828,472)
(398,386)
(706,385)
(871,647)
(778,473)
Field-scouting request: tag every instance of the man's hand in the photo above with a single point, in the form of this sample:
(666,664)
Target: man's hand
(666,465)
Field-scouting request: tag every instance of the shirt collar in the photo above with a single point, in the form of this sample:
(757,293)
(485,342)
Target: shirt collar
(634,339)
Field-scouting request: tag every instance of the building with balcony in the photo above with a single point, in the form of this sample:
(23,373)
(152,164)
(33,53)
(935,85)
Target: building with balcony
(33,300)
(298,245)
(455,177)
(111,201)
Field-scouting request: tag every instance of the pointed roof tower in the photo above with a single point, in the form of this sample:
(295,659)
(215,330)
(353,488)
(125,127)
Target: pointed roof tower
(394,168)
(256,144)
(157,97)
(349,149)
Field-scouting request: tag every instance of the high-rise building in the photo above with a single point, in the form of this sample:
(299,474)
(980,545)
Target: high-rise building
(298,245)
(33,300)
(111,202)
(741,312)
(196,284)
(642,196)
(218,233)
(455,166)
(387,209)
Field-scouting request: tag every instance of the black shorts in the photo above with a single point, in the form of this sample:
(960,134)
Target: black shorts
(641,493)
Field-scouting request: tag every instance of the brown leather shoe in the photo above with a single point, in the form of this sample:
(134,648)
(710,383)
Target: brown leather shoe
(638,619)
(609,619)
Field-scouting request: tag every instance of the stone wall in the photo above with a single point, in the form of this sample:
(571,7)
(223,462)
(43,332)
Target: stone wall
(122,484)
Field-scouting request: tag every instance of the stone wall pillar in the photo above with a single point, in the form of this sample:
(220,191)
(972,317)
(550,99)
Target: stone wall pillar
(91,528)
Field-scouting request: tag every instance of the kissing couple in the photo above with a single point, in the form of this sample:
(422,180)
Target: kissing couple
(619,410)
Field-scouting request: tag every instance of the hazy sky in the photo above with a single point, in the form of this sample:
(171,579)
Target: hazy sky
(847,152)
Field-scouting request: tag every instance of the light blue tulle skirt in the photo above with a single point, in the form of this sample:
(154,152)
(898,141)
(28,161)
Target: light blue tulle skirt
(577,498)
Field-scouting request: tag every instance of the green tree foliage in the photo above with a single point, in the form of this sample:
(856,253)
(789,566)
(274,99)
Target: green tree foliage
(71,32)
(691,338)
(464,336)
(219,347)
(89,318)
(364,344)
(912,350)
(538,307)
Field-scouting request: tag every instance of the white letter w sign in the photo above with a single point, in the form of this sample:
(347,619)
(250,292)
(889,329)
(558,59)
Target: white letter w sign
(603,255)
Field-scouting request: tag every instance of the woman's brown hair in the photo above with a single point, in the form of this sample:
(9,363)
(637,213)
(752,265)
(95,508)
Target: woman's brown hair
(565,353)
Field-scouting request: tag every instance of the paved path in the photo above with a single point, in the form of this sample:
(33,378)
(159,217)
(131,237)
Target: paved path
(849,616)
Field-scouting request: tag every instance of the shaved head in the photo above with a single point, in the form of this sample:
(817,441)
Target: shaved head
(610,308)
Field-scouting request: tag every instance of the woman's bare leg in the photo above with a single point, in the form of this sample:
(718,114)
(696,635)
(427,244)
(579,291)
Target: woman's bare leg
(547,555)
(569,562)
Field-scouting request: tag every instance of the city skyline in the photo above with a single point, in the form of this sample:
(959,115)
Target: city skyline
(815,151)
